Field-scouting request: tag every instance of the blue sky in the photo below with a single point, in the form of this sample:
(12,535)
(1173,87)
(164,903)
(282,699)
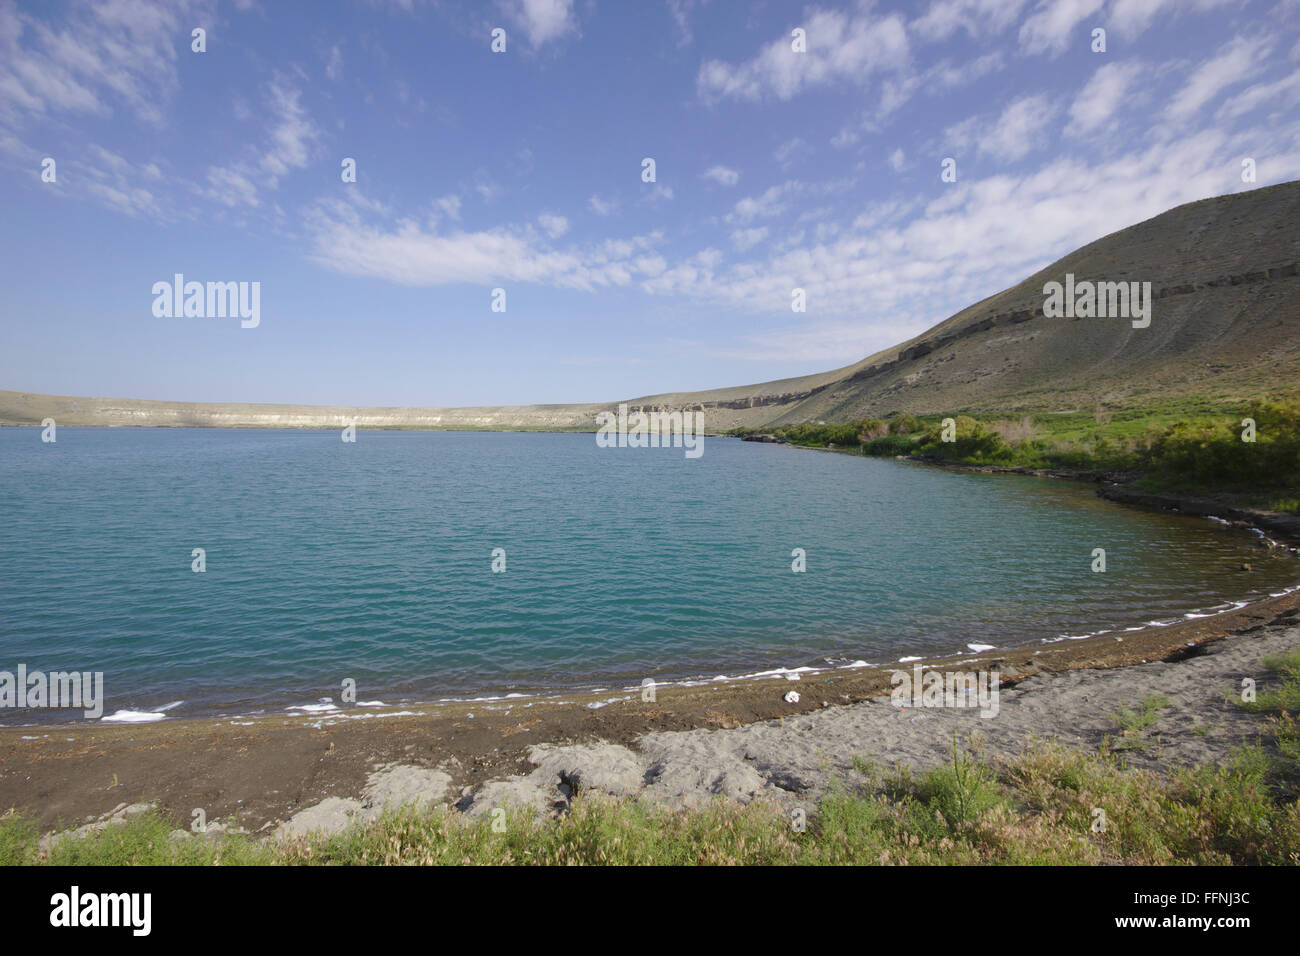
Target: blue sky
(523,170)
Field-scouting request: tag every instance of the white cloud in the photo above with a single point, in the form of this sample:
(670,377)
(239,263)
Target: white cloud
(897,160)
(113,51)
(744,239)
(1019,130)
(292,135)
(979,18)
(897,89)
(448,206)
(776,200)
(346,239)
(1132,17)
(722,175)
(840,49)
(1102,97)
(554,225)
(897,271)
(291,138)
(771,202)
(110,180)
(681,10)
(1052,26)
(1236,62)
(542,20)
(601,207)
(1283,92)
(788,151)
(487,187)
(230,187)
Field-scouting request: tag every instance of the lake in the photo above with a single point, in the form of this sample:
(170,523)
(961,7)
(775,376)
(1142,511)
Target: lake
(373,561)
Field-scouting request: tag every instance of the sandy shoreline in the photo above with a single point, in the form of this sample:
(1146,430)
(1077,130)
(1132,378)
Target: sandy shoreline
(739,739)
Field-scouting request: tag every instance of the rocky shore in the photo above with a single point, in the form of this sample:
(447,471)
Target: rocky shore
(741,740)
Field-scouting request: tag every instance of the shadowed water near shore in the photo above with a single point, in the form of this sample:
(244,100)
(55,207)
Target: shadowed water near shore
(327,561)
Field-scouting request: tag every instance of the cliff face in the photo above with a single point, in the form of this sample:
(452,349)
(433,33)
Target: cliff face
(1225,276)
(23,408)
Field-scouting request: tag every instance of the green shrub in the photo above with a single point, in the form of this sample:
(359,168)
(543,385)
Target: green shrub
(974,441)
(905,425)
(891,445)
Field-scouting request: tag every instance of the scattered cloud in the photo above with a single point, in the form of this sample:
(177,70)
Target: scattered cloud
(334,63)
(722,175)
(554,225)
(1284,92)
(791,150)
(291,139)
(681,14)
(448,206)
(898,89)
(897,270)
(744,239)
(769,203)
(1237,61)
(347,239)
(542,21)
(978,18)
(1132,17)
(781,199)
(1099,101)
(103,55)
(487,187)
(841,48)
(1052,26)
(1018,130)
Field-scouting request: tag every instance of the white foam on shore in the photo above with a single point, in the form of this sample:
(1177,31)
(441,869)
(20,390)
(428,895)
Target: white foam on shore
(132,717)
(140,716)
(597,704)
(334,719)
(475,700)
(324,706)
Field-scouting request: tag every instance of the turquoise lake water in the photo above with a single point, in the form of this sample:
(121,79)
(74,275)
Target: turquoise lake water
(373,561)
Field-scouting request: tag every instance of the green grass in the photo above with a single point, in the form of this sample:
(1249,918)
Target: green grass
(1187,447)
(1049,805)
(1134,724)
(1285,698)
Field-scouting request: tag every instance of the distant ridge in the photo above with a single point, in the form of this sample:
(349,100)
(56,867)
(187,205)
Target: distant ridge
(1225,274)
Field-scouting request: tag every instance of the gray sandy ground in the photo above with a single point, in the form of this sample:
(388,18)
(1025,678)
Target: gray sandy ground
(794,760)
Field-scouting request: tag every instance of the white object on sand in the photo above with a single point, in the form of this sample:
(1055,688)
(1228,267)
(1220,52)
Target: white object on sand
(792,697)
